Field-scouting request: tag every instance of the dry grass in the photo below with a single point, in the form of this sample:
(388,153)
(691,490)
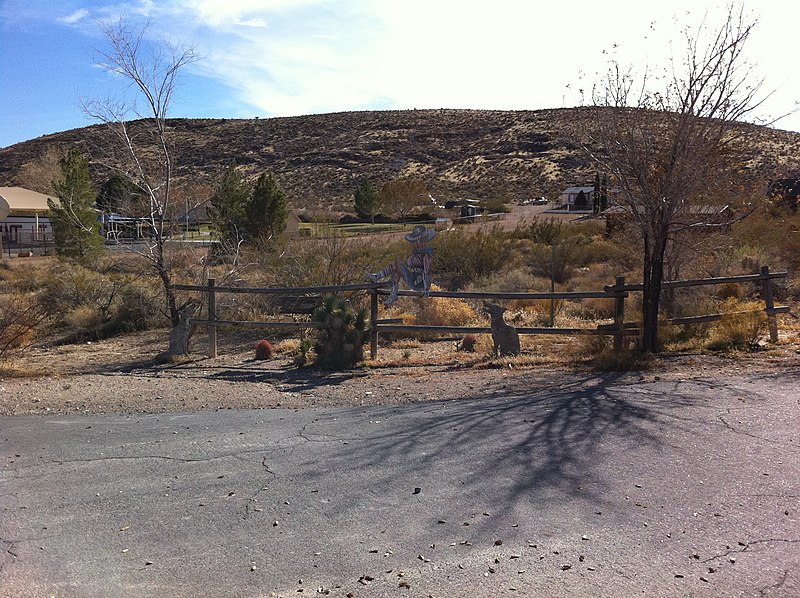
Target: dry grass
(741,326)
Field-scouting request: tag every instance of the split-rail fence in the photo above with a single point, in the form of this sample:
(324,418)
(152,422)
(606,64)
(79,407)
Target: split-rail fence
(304,299)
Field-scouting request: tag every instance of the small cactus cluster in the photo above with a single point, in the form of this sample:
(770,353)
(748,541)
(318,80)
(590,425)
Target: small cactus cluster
(263,350)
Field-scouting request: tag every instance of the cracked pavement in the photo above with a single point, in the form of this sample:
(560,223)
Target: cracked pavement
(600,485)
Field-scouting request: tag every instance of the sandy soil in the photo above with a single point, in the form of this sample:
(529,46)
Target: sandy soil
(122,375)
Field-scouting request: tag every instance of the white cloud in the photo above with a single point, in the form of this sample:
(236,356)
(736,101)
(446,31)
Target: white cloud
(75,17)
(286,57)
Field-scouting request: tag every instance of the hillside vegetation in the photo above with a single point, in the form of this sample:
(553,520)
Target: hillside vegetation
(319,159)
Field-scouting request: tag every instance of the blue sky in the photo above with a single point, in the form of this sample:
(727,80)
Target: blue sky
(290,57)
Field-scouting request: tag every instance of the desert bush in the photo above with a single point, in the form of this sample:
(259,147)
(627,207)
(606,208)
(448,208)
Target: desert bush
(560,261)
(442,311)
(541,231)
(496,206)
(729,290)
(599,353)
(85,303)
(139,306)
(517,279)
(332,260)
(340,334)
(741,326)
(21,314)
(86,322)
(740,259)
(6,272)
(71,285)
(462,257)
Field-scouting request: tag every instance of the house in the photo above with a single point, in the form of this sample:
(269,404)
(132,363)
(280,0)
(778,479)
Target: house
(23,218)
(293,225)
(577,199)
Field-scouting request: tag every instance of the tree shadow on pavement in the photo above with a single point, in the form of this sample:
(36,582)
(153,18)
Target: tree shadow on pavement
(525,446)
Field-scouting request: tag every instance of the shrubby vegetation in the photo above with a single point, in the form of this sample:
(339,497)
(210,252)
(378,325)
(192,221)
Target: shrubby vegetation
(115,294)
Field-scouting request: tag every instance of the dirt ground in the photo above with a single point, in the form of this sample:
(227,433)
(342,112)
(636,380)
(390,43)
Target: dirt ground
(122,375)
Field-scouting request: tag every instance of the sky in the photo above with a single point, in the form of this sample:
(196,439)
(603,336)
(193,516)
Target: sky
(271,58)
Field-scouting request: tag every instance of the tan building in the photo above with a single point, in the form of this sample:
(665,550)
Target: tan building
(23,217)
(17,201)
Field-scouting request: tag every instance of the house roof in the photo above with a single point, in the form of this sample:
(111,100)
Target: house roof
(576,190)
(22,202)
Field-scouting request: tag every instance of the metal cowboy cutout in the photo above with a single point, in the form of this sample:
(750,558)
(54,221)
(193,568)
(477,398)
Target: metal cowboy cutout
(416,271)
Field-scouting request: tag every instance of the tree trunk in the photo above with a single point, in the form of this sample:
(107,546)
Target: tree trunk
(651,293)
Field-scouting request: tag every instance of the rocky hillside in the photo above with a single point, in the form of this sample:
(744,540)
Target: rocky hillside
(319,159)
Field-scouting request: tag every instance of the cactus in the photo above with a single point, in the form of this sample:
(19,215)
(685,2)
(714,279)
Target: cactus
(263,350)
(340,334)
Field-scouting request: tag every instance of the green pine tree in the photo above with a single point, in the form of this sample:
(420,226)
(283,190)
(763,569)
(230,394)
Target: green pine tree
(76,228)
(118,194)
(266,210)
(227,211)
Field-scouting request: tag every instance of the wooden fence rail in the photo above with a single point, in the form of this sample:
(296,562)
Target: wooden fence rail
(617,292)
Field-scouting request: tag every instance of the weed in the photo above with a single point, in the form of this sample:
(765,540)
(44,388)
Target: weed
(741,326)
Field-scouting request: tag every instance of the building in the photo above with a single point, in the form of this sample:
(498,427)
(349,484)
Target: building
(578,199)
(24,224)
(464,210)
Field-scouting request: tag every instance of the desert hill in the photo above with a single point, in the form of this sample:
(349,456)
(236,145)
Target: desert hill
(319,159)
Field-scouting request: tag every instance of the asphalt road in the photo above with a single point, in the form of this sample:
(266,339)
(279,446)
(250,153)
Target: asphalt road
(602,486)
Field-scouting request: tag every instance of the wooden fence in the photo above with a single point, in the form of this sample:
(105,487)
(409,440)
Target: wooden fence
(617,293)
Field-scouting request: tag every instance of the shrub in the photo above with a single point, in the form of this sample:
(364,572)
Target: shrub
(85,322)
(442,311)
(462,257)
(741,326)
(496,206)
(544,232)
(729,290)
(20,316)
(332,260)
(340,334)
(263,350)
(598,351)
(138,307)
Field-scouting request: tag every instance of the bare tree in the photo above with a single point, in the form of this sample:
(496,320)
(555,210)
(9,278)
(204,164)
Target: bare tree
(403,195)
(676,148)
(140,144)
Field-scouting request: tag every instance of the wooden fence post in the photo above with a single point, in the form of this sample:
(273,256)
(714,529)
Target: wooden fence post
(619,315)
(212,316)
(769,300)
(373,315)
